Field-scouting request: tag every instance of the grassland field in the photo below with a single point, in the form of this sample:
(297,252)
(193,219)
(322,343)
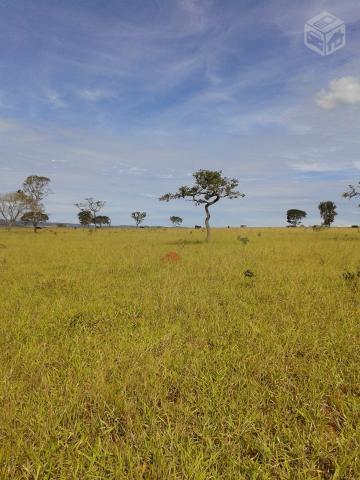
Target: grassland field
(118,364)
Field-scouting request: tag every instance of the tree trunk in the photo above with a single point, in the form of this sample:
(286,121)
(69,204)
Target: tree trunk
(207,223)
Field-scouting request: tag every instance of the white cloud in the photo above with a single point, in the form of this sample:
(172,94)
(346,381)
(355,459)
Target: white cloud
(343,91)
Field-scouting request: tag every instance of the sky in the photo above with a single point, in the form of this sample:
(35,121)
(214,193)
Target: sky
(123,100)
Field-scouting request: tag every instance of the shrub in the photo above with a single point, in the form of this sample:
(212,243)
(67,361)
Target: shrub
(243,240)
(351,276)
(249,273)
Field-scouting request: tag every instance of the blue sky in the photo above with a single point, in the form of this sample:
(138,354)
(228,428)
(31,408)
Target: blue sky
(123,100)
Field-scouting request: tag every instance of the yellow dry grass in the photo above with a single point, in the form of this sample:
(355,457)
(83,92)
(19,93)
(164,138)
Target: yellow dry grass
(118,364)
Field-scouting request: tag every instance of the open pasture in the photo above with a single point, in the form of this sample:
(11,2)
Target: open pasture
(119,361)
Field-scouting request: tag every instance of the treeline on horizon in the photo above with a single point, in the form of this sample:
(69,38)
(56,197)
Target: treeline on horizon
(26,206)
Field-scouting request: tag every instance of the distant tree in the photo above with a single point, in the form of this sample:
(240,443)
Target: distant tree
(35,188)
(91,205)
(12,206)
(294,216)
(35,218)
(327,212)
(85,218)
(353,192)
(139,217)
(210,186)
(102,220)
(176,221)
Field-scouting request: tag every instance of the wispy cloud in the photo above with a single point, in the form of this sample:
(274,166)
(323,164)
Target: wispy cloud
(54,99)
(124,103)
(95,94)
(196,10)
(322,167)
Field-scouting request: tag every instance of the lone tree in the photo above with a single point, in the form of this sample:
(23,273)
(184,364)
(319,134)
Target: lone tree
(294,216)
(102,220)
(139,217)
(35,218)
(353,192)
(176,221)
(12,206)
(327,212)
(210,186)
(91,207)
(85,218)
(35,188)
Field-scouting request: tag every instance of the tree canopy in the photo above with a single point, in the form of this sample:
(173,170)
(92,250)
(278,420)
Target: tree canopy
(36,188)
(294,216)
(327,212)
(35,217)
(102,220)
(176,220)
(12,206)
(209,187)
(85,217)
(353,191)
(139,217)
(89,210)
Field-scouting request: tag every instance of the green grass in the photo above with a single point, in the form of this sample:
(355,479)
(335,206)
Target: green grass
(115,364)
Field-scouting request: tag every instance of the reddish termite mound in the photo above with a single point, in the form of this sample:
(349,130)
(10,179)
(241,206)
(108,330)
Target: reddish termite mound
(171,257)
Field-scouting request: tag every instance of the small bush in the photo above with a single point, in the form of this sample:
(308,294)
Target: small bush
(249,273)
(243,240)
(351,276)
